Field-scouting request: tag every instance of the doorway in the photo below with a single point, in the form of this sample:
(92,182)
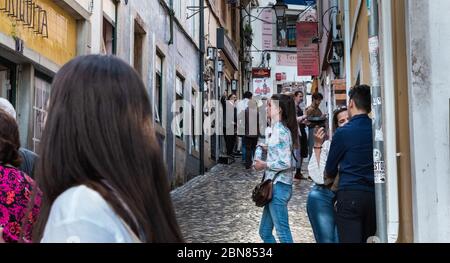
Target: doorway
(8,80)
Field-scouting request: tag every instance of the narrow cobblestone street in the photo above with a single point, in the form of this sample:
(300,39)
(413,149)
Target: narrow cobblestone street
(217,207)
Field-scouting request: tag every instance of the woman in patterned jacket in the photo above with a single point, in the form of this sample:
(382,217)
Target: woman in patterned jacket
(17,216)
(279,168)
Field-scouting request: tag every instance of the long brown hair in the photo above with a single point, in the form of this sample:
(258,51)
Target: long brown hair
(336,113)
(99,129)
(288,115)
(9,140)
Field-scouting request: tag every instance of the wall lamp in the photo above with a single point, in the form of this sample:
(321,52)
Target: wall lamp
(336,67)
(338,44)
(220,66)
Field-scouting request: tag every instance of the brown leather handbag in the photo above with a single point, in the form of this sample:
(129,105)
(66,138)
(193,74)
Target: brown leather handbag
(262,194)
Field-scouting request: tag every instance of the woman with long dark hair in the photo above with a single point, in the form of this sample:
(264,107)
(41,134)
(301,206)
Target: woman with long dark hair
(101,170)
(321,199)
(16,187)
(279,167)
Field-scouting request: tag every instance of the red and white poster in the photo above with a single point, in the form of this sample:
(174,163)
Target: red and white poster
(262,87)
(307,51)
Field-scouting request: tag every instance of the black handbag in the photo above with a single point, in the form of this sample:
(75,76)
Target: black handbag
(262,194)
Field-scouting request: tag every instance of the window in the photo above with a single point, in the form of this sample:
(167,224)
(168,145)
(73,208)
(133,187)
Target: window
(7,80)
(287,31)
(139,36)
(158,89)
(194,138)
(179,90)
(108,37)
(193,22)
(41,96)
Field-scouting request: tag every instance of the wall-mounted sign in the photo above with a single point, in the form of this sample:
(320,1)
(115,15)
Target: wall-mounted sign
(226,45)
(262,87)
(339,84)
(308,52)
(261,73)
(287,59)
(267,29)
(280,76)
(29,13)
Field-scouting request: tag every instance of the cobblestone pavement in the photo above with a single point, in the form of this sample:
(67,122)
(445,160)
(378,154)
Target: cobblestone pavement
(217,207)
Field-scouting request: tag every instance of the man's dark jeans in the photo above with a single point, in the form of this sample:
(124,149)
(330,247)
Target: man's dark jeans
(250,145)
(355,216)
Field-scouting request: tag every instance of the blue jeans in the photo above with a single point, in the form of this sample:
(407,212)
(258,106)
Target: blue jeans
(243,150)
(320,209)
(275,214)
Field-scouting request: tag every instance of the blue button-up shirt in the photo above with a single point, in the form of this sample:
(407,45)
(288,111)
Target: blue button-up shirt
(351,154)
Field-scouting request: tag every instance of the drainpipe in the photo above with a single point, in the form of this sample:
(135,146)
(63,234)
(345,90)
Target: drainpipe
(116,23)
(202,84)
(171,15)
(390,122)
(334,11)
(348,48)
(377,124)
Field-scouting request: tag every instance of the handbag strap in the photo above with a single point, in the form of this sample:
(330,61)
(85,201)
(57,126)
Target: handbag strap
(275,177)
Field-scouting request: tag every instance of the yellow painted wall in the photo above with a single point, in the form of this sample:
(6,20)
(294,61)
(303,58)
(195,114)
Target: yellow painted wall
(61,44)
(406,233)
(360,50)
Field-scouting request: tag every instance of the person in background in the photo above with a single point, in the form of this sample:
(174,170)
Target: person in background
(17,213)
(313,111)
(302,151)
(351,156)
(241,108)
(28,157)
(252,132)
(229,123)
(279,168)
(101,169)
(321,199)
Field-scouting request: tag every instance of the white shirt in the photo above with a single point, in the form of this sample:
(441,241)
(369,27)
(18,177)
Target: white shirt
(81,215)
(242,105)
(316,167)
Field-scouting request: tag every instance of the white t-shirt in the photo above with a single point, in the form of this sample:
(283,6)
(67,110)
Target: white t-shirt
(316,167)
(81,215)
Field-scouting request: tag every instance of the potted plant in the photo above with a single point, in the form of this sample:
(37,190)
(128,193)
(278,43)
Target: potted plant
(248,34)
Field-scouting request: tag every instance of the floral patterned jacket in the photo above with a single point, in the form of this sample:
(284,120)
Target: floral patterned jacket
(15,196)
(280,156)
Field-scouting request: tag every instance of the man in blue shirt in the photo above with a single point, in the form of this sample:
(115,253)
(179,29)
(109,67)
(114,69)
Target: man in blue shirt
(351,155)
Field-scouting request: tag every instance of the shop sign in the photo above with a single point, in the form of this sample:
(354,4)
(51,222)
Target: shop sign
(261,73)
(308,52)
(281,76)
(29,13)
(226,45)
